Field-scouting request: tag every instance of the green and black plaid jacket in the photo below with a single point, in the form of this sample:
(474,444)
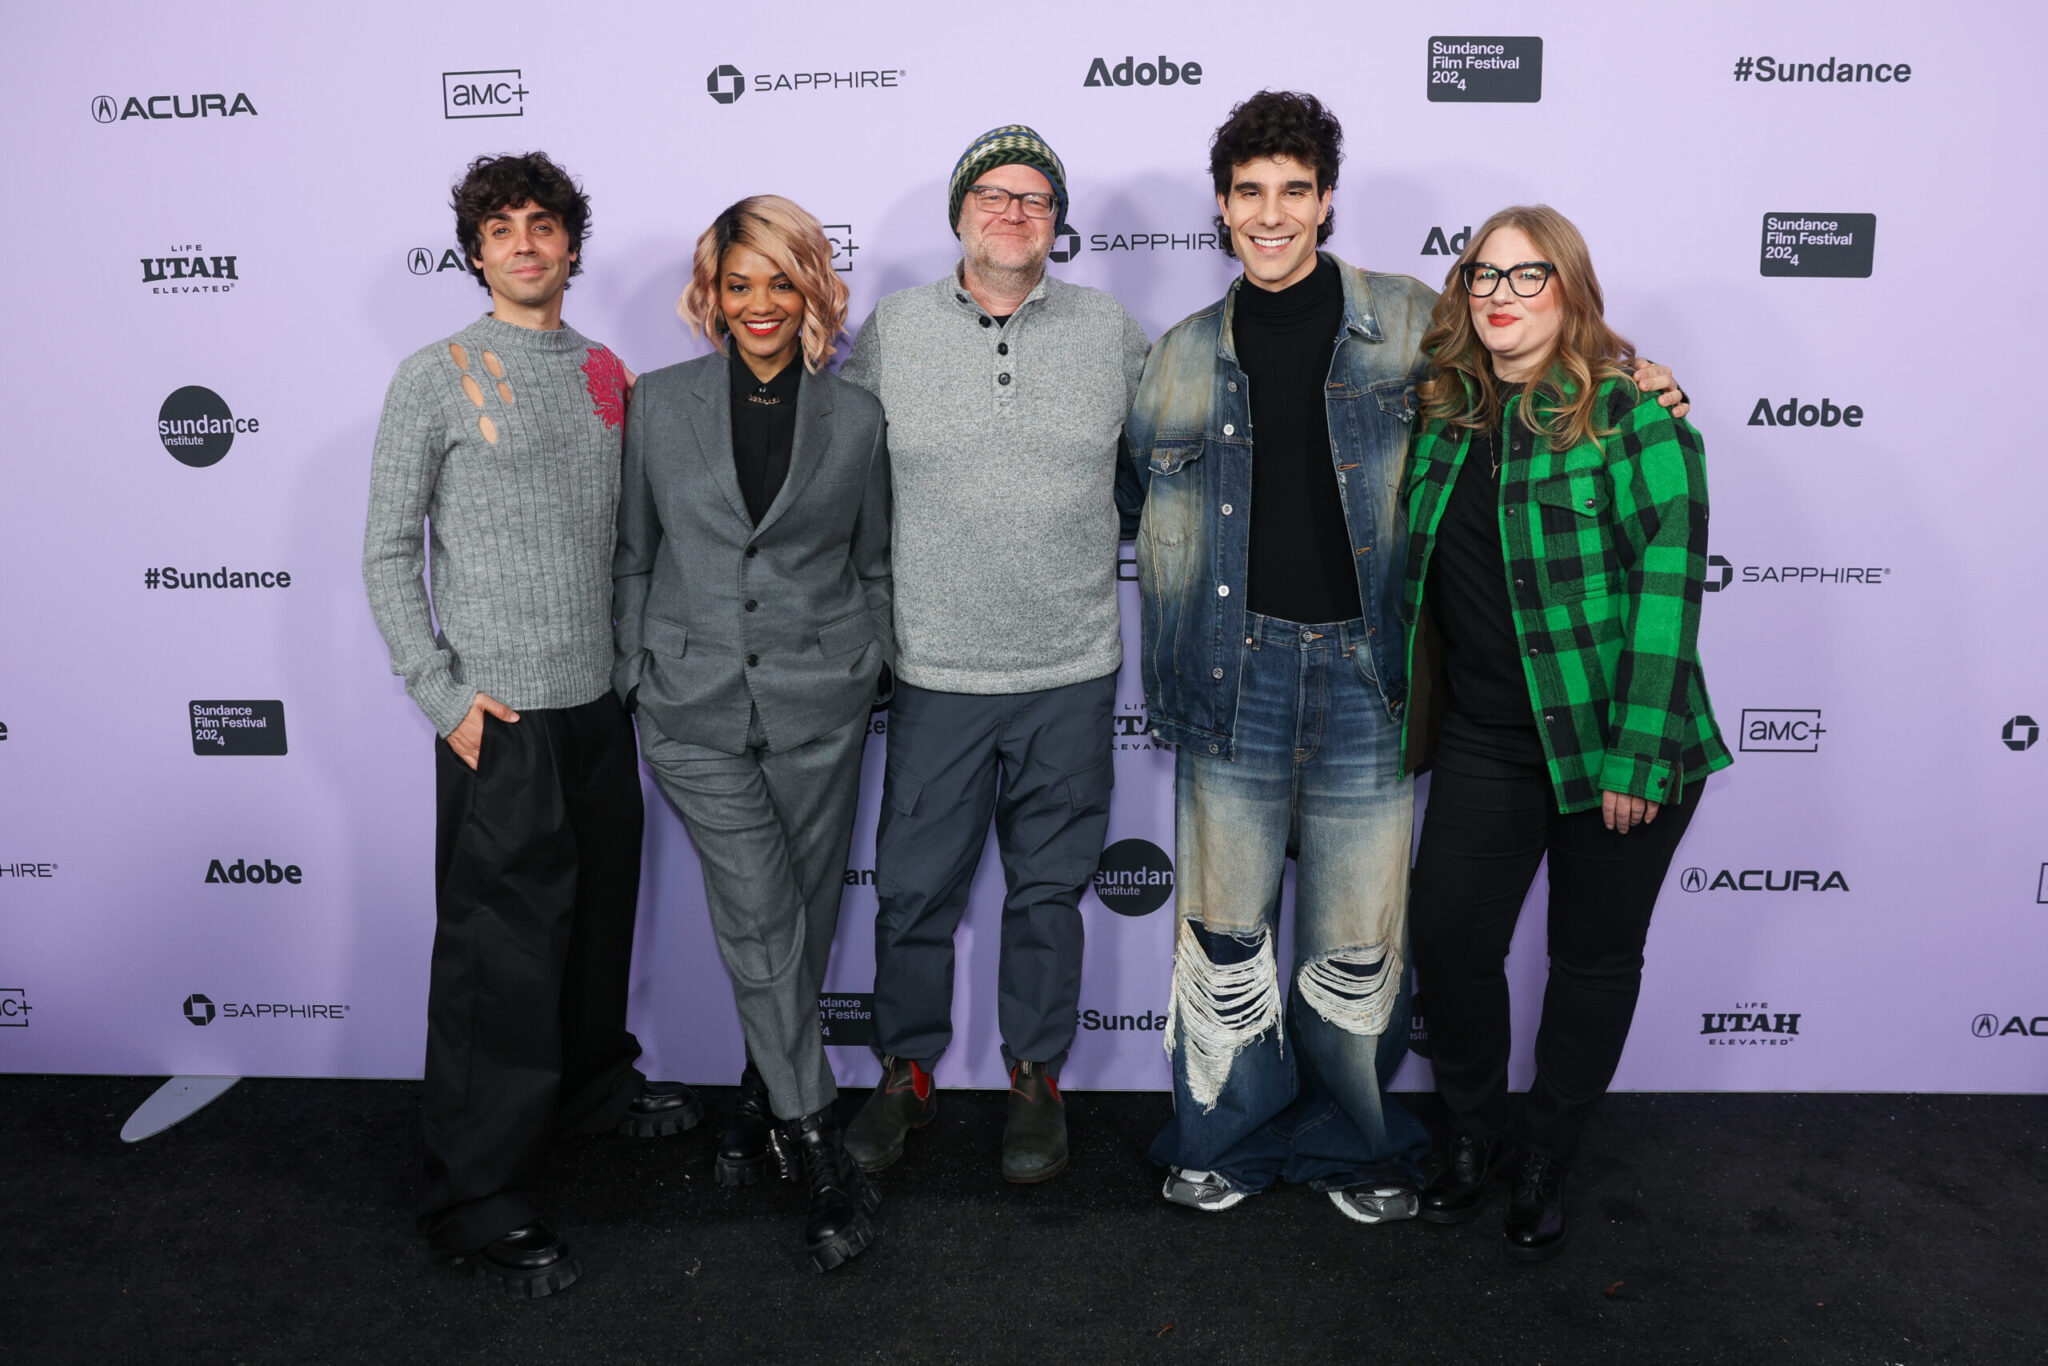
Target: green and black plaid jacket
(1606,547)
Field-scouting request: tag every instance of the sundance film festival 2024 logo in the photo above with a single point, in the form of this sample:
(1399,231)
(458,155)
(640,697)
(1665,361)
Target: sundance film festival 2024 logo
(847,1019)
(197,427)
(1485,70)
(1835,246)
(189,269)
(727,83)
(253,727)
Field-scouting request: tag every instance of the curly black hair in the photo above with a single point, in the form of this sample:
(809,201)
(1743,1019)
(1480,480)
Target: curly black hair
(495,183)
(1277,123)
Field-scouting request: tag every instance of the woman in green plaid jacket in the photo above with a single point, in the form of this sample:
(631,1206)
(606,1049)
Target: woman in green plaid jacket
(1556,557)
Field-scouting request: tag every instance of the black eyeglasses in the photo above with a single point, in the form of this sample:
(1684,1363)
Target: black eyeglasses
(1525,278)
(996,199)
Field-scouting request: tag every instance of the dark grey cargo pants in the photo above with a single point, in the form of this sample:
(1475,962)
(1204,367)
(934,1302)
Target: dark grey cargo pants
(1040,763)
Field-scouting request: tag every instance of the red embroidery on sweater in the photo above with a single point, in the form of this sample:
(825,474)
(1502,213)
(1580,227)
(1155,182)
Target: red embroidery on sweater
(605,380)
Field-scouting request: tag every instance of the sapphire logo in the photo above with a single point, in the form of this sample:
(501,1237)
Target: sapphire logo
(725,83)
(2020,733)
(199,1010)
(482,95)
(1066,244)
(1781,730)
(1134,877)
(1719,573)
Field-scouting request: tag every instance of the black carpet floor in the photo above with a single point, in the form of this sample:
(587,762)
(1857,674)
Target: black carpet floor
(275,1226)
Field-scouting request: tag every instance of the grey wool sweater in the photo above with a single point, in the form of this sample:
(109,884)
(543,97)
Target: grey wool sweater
(501,445)
(1002,459)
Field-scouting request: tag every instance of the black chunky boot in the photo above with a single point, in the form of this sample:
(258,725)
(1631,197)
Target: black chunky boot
(842,1197)
(1035,1133)
(752,1140)
(1535,1224)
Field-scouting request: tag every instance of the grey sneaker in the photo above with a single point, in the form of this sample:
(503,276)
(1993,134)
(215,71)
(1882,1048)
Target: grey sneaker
(1377,1204)
(1205,1191)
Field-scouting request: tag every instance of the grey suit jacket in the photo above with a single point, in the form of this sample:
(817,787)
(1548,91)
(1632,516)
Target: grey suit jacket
(713,613)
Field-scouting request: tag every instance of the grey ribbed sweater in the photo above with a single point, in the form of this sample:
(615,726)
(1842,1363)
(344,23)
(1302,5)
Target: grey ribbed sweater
(1002,456)
(506,441)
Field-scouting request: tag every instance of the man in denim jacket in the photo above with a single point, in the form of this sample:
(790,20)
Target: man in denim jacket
(1271,428)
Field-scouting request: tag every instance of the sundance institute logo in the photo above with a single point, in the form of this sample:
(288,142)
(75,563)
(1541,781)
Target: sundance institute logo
(197,428)
(1134,877)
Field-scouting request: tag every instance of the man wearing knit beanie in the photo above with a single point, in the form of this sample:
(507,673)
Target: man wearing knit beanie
(1006,393)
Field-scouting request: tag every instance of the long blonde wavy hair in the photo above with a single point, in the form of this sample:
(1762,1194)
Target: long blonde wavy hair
(786,234)
(1559,399)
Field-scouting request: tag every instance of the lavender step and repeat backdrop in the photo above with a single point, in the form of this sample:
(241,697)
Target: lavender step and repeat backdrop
(215,801)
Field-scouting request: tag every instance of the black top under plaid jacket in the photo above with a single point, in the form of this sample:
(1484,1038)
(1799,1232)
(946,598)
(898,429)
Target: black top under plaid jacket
(1606,548)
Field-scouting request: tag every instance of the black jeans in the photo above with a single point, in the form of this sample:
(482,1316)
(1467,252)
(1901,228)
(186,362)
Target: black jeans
(1490,823)
(537,872)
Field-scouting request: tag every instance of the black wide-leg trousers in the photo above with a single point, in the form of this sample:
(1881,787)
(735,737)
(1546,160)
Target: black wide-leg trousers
(537,872)
(1489,824)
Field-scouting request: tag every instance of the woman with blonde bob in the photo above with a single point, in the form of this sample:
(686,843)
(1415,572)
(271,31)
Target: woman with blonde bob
(1556,557)
(752,599)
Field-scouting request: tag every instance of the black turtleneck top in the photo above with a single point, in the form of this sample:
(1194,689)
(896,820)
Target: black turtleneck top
(1301,566)
(763,429)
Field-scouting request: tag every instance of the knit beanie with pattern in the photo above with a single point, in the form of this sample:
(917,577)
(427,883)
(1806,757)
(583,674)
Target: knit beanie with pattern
(1013,144)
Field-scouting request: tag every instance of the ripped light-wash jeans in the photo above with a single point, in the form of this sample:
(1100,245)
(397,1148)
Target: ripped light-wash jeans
(1283,1076)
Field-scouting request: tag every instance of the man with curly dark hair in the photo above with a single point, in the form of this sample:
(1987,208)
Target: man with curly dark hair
(502,444)
(1271,428)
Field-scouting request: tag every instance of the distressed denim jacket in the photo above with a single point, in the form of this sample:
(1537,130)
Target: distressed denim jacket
(1191,440)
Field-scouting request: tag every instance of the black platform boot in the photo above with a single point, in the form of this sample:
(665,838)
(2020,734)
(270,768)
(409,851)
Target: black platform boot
(752,1145)
(842,1197)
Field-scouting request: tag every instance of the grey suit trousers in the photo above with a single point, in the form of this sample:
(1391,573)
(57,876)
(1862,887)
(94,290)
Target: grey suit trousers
(771,830)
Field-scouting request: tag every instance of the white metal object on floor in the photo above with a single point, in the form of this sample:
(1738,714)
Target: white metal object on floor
(179,1098)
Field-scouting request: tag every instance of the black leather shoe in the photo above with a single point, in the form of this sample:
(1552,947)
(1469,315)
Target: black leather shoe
(529,1262)
(1035,1134)
(662,1108)
(836,1229)
(752,1140)
(1535,1224)
(904,1099)
(1455,1193)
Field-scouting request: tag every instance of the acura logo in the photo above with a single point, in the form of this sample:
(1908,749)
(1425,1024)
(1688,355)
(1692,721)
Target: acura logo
(1693,879)
(103,109)
(1984,1026)
(420,262)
